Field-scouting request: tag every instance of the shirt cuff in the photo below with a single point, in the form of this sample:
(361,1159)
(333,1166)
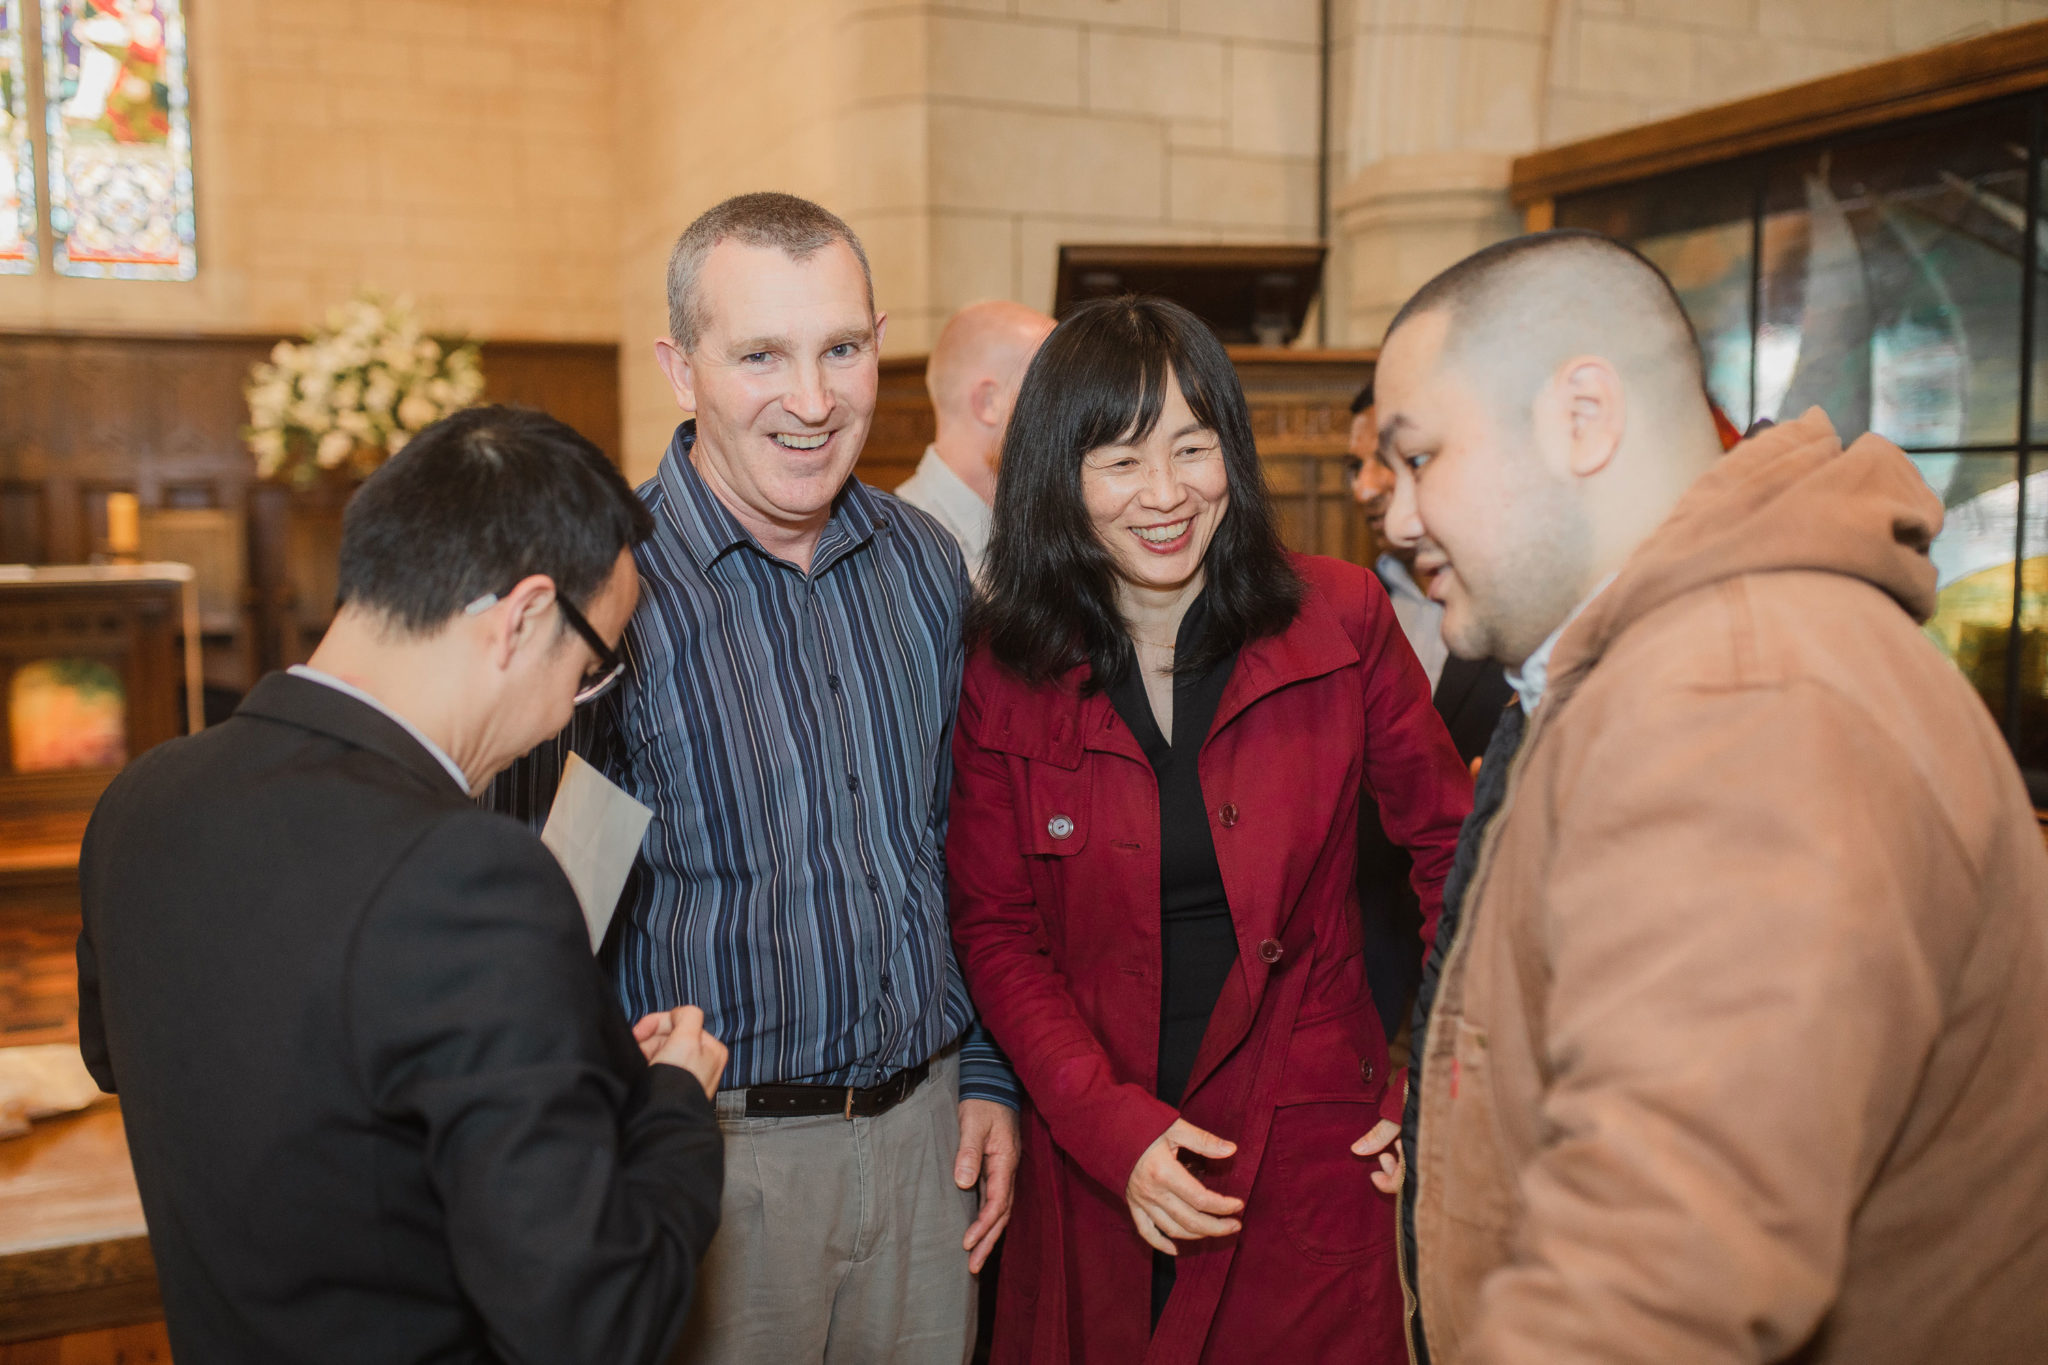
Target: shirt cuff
(985,1073)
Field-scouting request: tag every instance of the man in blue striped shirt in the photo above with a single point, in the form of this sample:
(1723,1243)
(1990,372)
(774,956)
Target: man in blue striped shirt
(787,714)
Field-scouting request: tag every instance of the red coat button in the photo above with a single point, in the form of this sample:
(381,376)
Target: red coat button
(1229,816)
(1270,951)
(1365,1072)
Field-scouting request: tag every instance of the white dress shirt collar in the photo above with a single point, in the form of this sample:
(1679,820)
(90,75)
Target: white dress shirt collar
(1533,677)
(349,690)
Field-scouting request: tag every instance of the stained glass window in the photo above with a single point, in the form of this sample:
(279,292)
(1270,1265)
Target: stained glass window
(17,161)
(120,142)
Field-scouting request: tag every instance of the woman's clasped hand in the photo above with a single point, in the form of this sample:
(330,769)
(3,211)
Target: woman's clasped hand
(1168,1203)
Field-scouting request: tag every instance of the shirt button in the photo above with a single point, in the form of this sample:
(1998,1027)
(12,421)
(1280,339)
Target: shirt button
(852,783)
(1270,951)
(1229,816)
(832,681)
(874,883)
(1059,827)
(1365,1072)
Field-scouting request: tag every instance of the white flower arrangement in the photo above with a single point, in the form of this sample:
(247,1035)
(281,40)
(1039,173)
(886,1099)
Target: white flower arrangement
(355,391)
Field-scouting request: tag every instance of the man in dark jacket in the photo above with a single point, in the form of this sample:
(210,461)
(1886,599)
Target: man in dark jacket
(1469,694)
(381,1102)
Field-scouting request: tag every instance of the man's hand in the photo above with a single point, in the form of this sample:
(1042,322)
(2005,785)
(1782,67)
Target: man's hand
(1168,1202)
(1380,1142)
(989,1149)
(677,1038)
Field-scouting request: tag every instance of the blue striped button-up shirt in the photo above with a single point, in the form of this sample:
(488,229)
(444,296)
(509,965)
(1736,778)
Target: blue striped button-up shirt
(792,734)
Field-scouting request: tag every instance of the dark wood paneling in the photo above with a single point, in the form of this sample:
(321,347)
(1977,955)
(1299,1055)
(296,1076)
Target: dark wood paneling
(85,415)
(2008,62)
(903,426)
(142,1344)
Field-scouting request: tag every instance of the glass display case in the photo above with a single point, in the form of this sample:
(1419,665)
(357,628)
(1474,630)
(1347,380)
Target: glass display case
(1890,274)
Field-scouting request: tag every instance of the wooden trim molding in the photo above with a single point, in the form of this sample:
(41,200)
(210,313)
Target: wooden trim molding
(2009,62)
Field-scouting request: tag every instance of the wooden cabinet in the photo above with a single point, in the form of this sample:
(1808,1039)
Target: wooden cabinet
(86,416)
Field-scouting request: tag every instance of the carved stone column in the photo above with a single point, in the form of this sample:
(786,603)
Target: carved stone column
(1432,102)
(1404,218)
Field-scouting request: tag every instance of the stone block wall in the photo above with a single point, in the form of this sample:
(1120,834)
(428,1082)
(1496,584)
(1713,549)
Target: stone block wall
(964,141)
(1615,63)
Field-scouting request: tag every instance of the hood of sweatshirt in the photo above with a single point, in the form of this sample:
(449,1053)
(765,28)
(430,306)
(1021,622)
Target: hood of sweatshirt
(1788,498)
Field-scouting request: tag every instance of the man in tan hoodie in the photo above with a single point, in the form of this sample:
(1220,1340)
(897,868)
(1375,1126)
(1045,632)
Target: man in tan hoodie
(1735,1050)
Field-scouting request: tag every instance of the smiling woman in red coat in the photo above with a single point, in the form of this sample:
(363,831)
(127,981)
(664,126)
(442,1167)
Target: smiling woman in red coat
(1167,725)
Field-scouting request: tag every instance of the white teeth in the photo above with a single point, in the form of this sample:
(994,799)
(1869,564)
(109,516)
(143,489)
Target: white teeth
(788,442)
(1160,535)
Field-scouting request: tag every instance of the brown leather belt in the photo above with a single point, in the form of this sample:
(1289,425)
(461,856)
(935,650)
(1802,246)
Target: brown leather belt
(816,1101)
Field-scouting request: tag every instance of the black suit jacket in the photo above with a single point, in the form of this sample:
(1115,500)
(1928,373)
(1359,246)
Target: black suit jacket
(1470,695)
(382,1104)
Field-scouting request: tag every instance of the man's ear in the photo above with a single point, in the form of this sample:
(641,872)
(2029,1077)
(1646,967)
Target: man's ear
(677,367)
(881,326)
(522,616)
(985,401)
(1587,411)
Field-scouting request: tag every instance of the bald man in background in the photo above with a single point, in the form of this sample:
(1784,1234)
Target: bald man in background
(973,374)
(1729,1042)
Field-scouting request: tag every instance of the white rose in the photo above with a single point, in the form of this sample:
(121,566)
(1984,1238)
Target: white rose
(267,403)
(333,450)
(347,395)
(416,411)
(429,350)
(395,442)
(312,416)
(268,448)
(356,425)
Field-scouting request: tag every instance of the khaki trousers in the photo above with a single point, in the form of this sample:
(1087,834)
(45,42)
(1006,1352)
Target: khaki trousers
(839,1239)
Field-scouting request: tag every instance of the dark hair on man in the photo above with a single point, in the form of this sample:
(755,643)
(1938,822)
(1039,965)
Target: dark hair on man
(1049,598)
(796,226)
(1362,399)
(477,502)
(1529,303)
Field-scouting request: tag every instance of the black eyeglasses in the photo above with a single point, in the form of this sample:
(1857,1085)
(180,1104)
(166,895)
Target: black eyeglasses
(611,663)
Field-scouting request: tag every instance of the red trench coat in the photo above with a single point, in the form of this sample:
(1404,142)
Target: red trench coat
(1053,855)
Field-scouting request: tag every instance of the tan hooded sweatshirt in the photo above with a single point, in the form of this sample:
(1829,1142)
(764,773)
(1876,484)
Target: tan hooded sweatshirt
(1741,1053)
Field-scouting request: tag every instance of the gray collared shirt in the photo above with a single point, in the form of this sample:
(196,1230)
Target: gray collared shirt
(937,490)
(1422,621)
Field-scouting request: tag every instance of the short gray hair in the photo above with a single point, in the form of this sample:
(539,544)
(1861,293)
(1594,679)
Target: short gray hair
(797,226)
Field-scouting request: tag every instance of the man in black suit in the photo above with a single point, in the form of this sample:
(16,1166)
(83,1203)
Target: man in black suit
(1469,694)
(381,1102)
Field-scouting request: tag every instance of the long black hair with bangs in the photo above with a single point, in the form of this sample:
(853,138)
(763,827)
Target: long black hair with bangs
(1048,599)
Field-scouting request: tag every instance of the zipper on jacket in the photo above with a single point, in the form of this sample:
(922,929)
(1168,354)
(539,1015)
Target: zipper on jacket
(1411,1293)
(1411,1301)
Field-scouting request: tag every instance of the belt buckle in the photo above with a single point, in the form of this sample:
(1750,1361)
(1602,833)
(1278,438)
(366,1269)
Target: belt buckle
(849,1104)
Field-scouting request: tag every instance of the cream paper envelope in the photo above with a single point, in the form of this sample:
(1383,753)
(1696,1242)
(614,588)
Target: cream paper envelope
(594,831)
